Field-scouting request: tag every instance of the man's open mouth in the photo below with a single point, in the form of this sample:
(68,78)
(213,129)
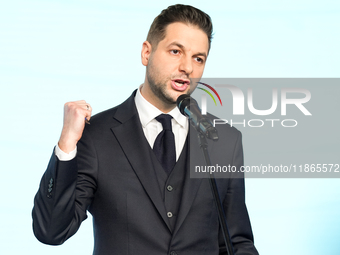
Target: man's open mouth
(180,84)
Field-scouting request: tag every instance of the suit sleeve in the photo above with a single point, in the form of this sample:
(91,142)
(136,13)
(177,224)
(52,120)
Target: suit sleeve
(65,193)
(235,209)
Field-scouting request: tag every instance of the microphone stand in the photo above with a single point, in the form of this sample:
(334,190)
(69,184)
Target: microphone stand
(221,217)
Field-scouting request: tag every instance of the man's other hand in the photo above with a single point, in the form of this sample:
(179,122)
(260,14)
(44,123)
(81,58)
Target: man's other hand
(75,114)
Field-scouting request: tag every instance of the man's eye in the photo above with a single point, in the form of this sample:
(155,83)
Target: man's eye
(200,60)
(175,52)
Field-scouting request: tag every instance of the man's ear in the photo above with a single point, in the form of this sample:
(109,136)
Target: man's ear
(146,51)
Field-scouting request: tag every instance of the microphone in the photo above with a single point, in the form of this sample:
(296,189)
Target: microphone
(189,107)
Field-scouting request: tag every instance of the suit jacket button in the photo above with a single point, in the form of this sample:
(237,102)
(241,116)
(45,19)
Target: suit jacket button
(169,214)
(173,253)
(169,188)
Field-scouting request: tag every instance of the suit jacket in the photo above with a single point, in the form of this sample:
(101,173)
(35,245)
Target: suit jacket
(113,178)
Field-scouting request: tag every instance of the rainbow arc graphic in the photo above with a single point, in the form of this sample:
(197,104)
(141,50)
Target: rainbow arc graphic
(209,93)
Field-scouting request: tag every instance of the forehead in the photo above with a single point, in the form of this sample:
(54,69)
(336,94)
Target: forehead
(190,36)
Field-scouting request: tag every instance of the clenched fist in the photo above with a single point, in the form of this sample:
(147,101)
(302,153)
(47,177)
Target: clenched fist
(75,114)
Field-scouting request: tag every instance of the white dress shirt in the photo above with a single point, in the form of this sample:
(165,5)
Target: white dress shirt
(151,127)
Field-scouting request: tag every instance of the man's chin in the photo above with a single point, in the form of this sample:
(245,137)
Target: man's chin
(177,94)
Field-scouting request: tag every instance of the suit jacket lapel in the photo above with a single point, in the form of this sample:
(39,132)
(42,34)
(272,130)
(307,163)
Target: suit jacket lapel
(131,138)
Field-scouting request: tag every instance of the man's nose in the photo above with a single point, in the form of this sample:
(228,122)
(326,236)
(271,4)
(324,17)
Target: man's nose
(186,65)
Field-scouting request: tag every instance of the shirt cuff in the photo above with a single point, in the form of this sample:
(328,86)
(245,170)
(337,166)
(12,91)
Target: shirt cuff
(63,156)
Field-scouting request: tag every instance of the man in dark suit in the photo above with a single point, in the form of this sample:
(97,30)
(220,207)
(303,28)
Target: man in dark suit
(130,167)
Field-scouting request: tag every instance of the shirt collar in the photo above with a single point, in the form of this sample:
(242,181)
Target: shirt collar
(147,112)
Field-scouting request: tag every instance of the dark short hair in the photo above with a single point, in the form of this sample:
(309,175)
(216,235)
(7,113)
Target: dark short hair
(179,13)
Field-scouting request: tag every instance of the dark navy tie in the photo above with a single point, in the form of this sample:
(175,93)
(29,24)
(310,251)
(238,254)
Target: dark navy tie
(164,146)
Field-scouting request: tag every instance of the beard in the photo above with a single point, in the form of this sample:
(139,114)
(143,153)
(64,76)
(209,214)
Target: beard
(158,85)
(160,90)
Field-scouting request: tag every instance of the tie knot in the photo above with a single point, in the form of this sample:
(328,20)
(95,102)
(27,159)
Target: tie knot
(165,119)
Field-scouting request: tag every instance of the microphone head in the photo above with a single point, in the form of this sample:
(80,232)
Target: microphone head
(189,107)
(184,101)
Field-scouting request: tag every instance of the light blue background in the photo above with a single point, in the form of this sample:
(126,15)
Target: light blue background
(52,52)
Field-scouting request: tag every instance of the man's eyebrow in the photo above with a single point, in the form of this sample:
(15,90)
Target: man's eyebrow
(203,54)
(177,44)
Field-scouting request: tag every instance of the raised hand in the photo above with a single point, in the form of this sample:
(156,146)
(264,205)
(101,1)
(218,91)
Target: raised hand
(75,115)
